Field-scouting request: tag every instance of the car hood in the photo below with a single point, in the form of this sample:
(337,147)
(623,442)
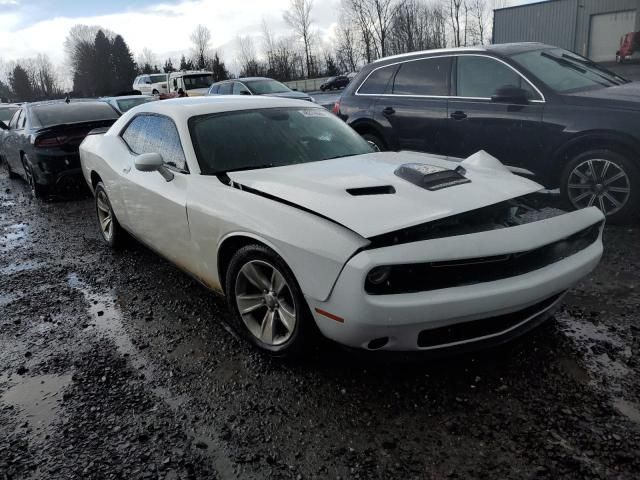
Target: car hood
(292,94)
(620,96)
(321,187)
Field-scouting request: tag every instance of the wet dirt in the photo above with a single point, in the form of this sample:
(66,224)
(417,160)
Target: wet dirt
(117,365)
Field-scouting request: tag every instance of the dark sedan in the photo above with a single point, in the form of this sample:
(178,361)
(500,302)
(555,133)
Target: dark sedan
(256,86)
(42,139)
(542,110)
(338,82)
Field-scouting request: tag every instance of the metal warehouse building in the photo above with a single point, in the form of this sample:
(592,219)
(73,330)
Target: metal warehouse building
(590,27)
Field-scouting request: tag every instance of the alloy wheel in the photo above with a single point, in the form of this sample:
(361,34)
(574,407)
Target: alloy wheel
(599,182)
(265,302)
(105,217)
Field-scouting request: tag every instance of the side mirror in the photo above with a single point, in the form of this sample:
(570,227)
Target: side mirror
(510,94)
(152,162)
(245,92)
(294,89)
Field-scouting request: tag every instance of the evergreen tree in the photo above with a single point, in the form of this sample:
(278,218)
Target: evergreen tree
(21,84)
(186,64)
(218,68)
(168,66)
(5,92)
(124,68)
(103,69)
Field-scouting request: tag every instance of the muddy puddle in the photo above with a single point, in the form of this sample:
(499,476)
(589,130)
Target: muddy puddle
(21,267)
(13,236)
(37,400)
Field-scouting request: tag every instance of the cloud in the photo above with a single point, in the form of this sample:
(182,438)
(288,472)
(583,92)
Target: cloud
(164,27)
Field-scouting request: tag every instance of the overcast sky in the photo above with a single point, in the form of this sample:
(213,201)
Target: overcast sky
(28,27)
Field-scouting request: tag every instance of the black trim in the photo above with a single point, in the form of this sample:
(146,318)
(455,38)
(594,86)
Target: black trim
(375,190)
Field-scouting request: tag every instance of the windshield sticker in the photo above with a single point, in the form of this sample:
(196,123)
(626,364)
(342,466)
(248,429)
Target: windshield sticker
(314,112)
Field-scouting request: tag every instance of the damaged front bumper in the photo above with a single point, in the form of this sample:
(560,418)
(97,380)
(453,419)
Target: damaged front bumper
(458,316)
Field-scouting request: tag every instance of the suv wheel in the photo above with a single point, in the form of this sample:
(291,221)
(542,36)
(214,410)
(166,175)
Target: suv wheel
(375,140)
(267,304)
(605,179)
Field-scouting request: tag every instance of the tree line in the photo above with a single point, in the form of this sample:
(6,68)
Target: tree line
(101,63)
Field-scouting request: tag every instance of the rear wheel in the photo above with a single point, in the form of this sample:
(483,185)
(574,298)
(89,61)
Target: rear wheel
(37,190)
(605,179)
(268,306)
(375,141)
(155,92)
(111,231)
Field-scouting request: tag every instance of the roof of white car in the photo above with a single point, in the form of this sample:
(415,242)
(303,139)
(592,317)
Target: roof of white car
(192,106)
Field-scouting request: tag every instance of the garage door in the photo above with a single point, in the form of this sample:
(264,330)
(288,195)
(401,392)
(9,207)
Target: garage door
(605,33)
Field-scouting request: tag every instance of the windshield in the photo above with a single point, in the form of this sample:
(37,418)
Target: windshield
(197,81)
(264,87)
(129,103)
(61,113)
(158,78)
(273,137)
(6,114)
(566,72)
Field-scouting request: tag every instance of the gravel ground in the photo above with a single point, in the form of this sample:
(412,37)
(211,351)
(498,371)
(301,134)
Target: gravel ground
(117,365)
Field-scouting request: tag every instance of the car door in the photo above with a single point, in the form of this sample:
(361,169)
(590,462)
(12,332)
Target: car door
(155,207)
(415,105)
(225,88)
(145,84)
(240,88)
(510,132)
(14,141)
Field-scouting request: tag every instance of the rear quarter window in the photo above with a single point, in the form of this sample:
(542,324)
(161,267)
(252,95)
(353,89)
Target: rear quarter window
(376,83)
(61,113)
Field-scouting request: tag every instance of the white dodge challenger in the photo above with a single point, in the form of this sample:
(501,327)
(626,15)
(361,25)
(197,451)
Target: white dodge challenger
(307,230)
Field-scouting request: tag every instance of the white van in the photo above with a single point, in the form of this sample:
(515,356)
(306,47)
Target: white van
(193,82)
(151,84)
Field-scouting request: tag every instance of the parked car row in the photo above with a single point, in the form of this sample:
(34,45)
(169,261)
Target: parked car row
(546,112)
(193,83)
(256,86)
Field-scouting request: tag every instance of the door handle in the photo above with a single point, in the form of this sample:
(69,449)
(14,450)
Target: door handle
(458,115)
(388,111)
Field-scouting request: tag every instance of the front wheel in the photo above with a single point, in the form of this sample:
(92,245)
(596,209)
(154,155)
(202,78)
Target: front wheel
(267,303)
(605,179)
(110,230)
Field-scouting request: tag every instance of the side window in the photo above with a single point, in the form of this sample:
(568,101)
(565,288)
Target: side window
(481,77)
(376,83)
(156,134)
(14,120)
(429,76)
(225,89)
(238,88)
(214,89)
(23,119)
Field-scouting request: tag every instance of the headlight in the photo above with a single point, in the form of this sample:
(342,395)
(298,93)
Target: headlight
(378,275)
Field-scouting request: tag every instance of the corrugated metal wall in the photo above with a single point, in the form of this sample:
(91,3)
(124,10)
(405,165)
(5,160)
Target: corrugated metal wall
(564,23)
(550,22)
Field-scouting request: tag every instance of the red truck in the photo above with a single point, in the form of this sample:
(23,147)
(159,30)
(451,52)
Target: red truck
(629,45)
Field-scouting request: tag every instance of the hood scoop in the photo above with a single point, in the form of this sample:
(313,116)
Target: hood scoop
(377,190)
(431,177)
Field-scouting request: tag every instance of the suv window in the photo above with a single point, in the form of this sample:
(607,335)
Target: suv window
(238,88)
(155,134)
(225,89)
(376,83)
(423,77)
(481,77)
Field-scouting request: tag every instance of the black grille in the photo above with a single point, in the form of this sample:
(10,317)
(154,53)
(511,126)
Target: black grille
(480,328)
(420,277)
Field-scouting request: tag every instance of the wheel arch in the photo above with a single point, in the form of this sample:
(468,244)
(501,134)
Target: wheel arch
(95,179)
(369,126)
(606,140)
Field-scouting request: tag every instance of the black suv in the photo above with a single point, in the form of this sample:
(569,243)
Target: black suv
(338,82)
(543,111)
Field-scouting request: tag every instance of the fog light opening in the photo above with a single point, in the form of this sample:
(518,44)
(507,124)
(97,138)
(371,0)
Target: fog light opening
(377,343)
(379,275)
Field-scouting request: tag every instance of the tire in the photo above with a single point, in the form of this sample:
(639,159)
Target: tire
(277,323)
(155,92)
(38,191)
(111,232)
(615,189)
(375,140)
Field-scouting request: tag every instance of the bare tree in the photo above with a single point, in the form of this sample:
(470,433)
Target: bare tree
(455,7)
(146,57)
(347,55)
(480,14)
(298,17)
(200,38)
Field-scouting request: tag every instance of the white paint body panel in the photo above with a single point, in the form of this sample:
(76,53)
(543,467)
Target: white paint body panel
(189,218)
